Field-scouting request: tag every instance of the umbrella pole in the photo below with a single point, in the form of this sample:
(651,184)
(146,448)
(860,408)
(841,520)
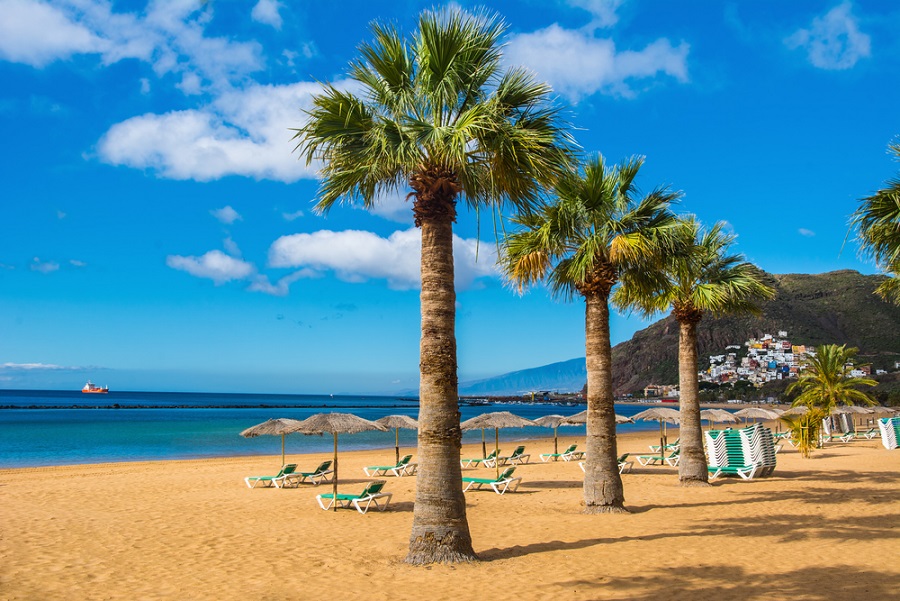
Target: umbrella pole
(282,449)
(662,442)
(497,451)
(397,442)
(334,480)
(555,443)
(483,446)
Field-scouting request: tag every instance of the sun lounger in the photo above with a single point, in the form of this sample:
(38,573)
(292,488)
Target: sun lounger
(518,457)
(368,497)
(403,468)
(744,471)
(500,485)
(624,464)
(670,446)
(479,460)
(567,455)
(672,459)
(275,480)
(323,473)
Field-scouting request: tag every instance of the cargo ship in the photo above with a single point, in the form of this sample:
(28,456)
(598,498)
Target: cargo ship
(92,388)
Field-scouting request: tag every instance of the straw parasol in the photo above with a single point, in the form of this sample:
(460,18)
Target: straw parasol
(719,416)
(397,422)
(334,424)
(798,410)
(551,421)
(496,420)
(663,415)
(273,427)
(758,413)
(581,418)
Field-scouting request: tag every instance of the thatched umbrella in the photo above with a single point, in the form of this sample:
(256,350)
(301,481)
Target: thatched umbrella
(551,421)
(581,418)
(718,416)
(758,413)
(273,427)
(663,415)
(496,420)
(798,410)
(334,424)
(397,422)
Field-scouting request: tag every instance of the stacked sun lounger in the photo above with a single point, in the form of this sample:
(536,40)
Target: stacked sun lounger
(747,452)
(890,431)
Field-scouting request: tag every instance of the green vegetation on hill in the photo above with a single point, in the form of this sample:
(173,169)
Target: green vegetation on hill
(838,307)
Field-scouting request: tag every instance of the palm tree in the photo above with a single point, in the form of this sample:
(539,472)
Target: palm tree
(877,223)
(698,278)
(825,383)
(436,113)
(596,230)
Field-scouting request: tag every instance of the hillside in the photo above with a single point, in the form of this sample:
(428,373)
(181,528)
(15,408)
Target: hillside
(835,307)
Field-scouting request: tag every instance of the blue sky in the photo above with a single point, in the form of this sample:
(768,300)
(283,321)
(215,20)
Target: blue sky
(158,231)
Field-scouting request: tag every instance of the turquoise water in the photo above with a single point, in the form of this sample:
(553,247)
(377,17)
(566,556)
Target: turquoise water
(151,426)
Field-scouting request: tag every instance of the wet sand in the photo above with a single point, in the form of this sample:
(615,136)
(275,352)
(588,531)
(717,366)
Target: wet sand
(822,528)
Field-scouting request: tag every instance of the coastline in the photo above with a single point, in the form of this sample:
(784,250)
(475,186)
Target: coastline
(192,529)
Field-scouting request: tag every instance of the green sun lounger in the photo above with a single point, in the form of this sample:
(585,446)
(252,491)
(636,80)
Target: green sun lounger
(670,446)
(624,464)
(567,455)
(367,498)
(744,471)
(275,480)
(518,457)
(672,459)
(323,473)
(500,485)
(479,460)
(403,468)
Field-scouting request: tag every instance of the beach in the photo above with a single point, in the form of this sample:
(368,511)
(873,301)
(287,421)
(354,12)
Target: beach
(821,528)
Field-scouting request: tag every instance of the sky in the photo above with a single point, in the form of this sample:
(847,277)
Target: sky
(158,230)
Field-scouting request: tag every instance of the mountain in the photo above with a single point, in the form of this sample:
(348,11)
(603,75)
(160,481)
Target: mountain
(836,307)
(565,376)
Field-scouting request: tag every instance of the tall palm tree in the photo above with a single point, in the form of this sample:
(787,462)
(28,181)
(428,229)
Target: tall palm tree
(437,113)
(877,223)
(597,229)
(698,278)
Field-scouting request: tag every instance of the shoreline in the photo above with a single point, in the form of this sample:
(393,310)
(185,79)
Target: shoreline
(192,529)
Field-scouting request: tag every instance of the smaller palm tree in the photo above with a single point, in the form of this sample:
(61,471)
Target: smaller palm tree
(697,278)
(877,223)
(598,228)
(824,384)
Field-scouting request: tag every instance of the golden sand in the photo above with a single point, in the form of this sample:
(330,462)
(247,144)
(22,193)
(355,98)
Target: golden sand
(821,528)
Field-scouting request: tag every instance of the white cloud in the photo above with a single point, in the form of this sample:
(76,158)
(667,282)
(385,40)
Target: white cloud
(292,216)
(36,34)
(833,41)
(168,34)
(805,232)
(214,265)
(77,263)
(226,214)
(578,64)
(34,367)
(603,11)
(262,284)
(358,256)
(266,11)
(231,247)
(394,207)
(243,132)
(145,86)
(44,266)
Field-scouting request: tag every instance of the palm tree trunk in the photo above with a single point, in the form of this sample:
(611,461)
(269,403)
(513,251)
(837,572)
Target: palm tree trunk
(603,492)
(440,531)
(692,464)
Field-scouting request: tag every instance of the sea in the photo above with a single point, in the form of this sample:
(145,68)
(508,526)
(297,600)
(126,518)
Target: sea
(46,428)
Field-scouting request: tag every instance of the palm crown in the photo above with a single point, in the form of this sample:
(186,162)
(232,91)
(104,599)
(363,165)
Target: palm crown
(597,229)
(877,222)
(698,277)
(827,382)
(436,113)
